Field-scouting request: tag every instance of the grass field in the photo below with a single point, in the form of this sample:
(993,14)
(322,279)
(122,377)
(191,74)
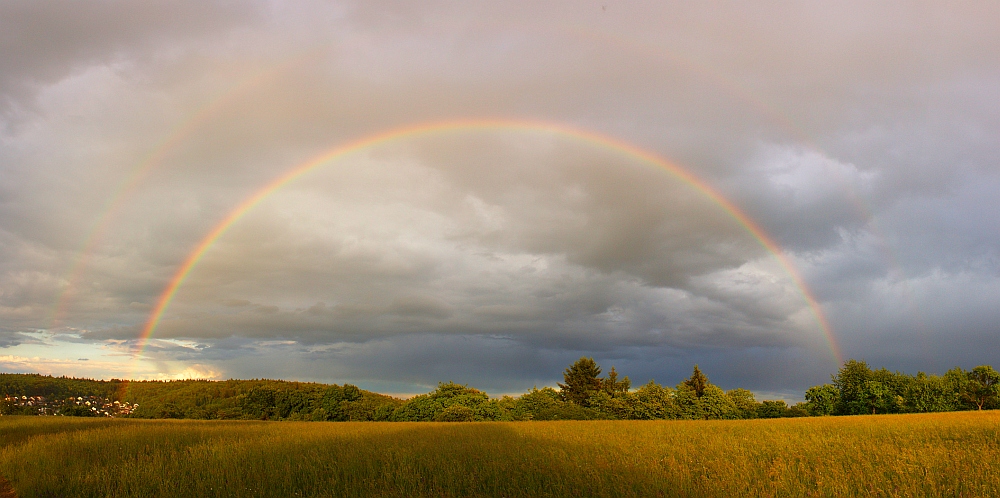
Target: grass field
(950,454)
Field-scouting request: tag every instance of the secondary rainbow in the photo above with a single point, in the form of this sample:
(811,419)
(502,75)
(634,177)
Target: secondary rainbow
(426,128)
(130,185)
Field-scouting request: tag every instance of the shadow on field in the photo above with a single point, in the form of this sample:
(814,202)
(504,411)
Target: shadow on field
(6,490)
(342,459)
(894,455)
(486,459)
(20,429)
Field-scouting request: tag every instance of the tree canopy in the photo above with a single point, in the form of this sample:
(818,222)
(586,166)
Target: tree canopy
(581,381)
(856,389)
(697,382)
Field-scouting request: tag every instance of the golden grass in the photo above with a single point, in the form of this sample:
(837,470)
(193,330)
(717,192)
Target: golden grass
(951,454)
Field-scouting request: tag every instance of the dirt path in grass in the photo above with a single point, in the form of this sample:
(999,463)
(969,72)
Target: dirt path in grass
(6,490)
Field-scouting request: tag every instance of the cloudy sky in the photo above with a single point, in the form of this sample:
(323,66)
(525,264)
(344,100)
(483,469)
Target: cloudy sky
(861,139)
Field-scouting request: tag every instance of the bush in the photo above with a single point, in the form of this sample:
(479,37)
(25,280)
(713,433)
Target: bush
(455,413)
(798,410)
(567,411)
(772,409)
(73,410)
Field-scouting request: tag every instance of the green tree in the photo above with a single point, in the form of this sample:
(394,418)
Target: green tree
(500,410)
(291,403)
(744,401)
(258,403)
(455,413)
(568,411)
(713,403)
(581,381)
(332,404)
(426,407)
(822,400)
(76,410)
(374,407)
(772,409)
(351,392)
(697,382)
(613,386)
(653,402)
(10,408)
(929,393)
(611,407)
(850,383)
(337,401)
(547,404)
(877,396)
(533,402)
(957,381)
(983,386)
(798,410)
(897,383)
(420,408)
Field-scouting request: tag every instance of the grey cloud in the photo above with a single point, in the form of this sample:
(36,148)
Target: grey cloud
(8,339)
(806,198)
(415,363)
(924,322)
(860,136)
(421,306)
(45,42)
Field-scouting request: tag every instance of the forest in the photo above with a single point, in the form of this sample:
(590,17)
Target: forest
(584,394)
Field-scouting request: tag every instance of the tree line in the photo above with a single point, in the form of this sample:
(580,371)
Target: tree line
(584,394)
(857,389)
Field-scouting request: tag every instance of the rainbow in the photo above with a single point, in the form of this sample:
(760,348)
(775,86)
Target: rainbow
(756,102)
(426,128)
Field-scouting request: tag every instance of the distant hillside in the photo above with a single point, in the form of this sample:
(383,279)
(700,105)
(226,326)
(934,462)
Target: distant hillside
(258,399)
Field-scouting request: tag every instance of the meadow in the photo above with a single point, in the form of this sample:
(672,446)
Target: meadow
(945,454)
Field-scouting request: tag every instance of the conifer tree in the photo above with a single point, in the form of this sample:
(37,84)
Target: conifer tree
(613,386)
(698,382)
(581,380)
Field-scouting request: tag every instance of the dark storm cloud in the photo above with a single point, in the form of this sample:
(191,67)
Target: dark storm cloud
(463,255)
(860,136)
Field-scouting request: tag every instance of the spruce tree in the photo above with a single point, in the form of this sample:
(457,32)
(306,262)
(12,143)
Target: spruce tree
(581,380)
(698,382)
(613,386)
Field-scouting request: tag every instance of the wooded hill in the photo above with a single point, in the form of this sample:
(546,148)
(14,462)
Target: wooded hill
(584,394)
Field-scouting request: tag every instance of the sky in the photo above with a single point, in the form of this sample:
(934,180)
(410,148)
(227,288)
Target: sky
(398,194)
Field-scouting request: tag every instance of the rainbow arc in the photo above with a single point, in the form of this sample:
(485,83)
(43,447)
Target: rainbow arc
(426,129)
